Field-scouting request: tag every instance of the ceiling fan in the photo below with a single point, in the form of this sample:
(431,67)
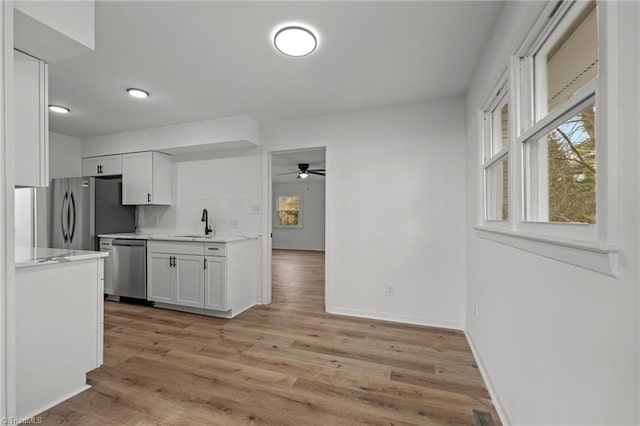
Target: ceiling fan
(304,171)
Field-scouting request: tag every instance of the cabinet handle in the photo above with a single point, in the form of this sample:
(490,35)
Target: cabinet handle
(148,197)
(205,264)
(175,261)
(213,248)
(170,261)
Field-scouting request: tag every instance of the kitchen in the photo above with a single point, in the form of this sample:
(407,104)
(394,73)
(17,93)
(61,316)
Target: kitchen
(401,205)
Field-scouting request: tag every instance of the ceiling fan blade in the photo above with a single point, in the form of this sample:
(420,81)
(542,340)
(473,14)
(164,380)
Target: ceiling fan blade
(316,173)
(316,170)
(288,173)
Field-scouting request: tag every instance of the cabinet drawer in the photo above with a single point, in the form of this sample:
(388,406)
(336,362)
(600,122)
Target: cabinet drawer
(215,249)
(175,247)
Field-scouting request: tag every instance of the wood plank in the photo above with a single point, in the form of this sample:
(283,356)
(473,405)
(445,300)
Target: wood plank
(288,363)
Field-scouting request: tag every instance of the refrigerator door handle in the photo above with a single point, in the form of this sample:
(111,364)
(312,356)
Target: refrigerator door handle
(73,215)
(62,211)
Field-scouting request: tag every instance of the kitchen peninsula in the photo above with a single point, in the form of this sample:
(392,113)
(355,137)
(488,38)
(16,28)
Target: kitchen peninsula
(216,275)
(58,324)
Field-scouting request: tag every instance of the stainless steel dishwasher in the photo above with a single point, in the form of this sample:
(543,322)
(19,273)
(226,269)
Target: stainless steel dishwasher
(130,268)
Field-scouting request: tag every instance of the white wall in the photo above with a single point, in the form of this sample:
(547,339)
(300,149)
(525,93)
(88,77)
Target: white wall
(394,208)
(311,235)
(229,188)
(65,159)
(558,343)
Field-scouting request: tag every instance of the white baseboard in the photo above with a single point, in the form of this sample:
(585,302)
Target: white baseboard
(407,319)
(487,381)
(53,404)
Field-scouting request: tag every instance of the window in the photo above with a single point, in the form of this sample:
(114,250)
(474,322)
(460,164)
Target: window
(289,211)
(496,156)
(560,144)
(549,142)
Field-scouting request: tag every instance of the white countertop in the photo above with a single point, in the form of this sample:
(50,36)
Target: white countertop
(178,237)
(37,256)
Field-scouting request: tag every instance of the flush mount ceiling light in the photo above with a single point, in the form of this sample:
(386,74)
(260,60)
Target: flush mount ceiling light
(137,93)
(59,109)
(295,40)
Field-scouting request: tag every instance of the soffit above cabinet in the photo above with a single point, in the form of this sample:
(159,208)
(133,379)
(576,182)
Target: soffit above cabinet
(237,132)
(54,31)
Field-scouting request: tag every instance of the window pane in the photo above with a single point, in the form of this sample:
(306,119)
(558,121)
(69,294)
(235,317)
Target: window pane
(563,188)
(497,190)
(504,125)
(500,128)
(572,61)
(288,209)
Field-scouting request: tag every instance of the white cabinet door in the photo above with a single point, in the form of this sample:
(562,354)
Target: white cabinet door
(190,280)
(160,278)
(137,172)
(215,284)
(91,166)
(31,121)
(111,165)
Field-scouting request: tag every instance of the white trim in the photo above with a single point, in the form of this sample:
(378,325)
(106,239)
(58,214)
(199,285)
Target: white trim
(497,157)
(7,198)
(593,256)
(579,101)
(495,398)
(404,319)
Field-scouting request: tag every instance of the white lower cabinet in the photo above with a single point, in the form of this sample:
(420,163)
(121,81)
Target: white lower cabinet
(220,279)
(215,283)
(160,277)
(189,273)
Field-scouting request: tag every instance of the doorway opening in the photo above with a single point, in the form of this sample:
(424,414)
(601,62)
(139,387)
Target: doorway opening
(298,194)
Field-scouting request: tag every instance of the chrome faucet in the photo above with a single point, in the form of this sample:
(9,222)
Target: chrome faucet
(205,219)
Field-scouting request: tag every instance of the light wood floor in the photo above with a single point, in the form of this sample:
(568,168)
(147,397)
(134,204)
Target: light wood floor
(288,363)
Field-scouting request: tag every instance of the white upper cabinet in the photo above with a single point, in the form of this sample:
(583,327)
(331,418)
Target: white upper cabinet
(31,121)
(146,178)
(106,165)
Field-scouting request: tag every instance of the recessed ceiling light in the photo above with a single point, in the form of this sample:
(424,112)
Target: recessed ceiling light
(295,40)
(59,109)
(137,93)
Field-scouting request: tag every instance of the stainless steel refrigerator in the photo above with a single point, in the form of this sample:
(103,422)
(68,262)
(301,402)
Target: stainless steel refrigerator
(83,208)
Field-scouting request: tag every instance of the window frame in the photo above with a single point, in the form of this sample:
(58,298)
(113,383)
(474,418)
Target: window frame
(288,193)
(492,156)
(590,246)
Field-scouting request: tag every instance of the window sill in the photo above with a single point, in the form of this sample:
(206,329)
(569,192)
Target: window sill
(592,256)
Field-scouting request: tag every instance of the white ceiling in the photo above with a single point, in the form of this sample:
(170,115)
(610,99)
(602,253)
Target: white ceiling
(285,162)
(203,60)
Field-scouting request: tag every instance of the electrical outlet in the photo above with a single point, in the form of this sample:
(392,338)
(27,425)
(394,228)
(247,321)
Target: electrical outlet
(391,290)
(155,220)
(475,309)
(233,223)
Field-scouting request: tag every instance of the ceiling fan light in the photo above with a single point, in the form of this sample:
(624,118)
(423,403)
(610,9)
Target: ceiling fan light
(303,175)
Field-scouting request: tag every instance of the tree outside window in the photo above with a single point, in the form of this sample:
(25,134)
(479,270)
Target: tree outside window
(288,210)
